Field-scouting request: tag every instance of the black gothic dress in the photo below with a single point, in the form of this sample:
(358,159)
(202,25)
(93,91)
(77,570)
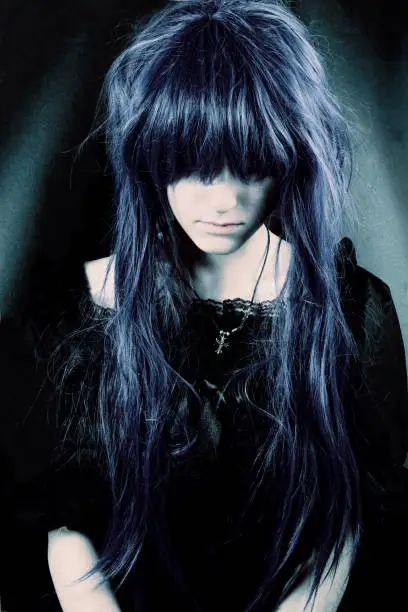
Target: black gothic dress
(222,562)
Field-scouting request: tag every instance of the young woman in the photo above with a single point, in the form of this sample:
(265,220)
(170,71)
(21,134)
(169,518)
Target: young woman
(224,417)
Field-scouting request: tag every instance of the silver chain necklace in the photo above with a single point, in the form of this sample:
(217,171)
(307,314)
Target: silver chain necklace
(223,334)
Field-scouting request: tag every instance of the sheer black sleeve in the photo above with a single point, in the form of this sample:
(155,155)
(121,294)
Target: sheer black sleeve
(41,489)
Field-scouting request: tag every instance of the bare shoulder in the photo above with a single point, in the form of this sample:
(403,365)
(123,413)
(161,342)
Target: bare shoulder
(100,274)
(101,280)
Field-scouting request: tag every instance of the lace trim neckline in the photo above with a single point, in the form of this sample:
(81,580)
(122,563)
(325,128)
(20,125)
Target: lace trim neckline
(238,304)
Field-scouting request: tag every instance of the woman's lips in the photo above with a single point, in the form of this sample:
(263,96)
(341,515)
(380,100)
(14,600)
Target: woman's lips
(222,224)
(214,228)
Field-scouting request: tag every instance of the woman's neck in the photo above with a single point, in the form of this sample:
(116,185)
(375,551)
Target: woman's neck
(240,281)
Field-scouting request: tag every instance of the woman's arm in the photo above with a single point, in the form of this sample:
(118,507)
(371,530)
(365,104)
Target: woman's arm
(330,591)
(71,555)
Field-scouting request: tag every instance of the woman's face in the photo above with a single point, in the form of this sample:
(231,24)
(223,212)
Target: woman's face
(225,201)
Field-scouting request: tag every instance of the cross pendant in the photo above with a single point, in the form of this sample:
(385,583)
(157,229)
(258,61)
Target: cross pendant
(221,341)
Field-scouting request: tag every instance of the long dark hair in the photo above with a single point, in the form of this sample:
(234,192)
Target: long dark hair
(202,84)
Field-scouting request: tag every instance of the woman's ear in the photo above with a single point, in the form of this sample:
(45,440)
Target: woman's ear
(96,272)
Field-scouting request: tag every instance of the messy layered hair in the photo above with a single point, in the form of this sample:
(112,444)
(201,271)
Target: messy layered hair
(201,85)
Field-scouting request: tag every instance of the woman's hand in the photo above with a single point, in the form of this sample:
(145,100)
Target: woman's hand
(70,555)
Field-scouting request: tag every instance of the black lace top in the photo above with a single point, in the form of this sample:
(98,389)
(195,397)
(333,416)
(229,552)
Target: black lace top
(222,555)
